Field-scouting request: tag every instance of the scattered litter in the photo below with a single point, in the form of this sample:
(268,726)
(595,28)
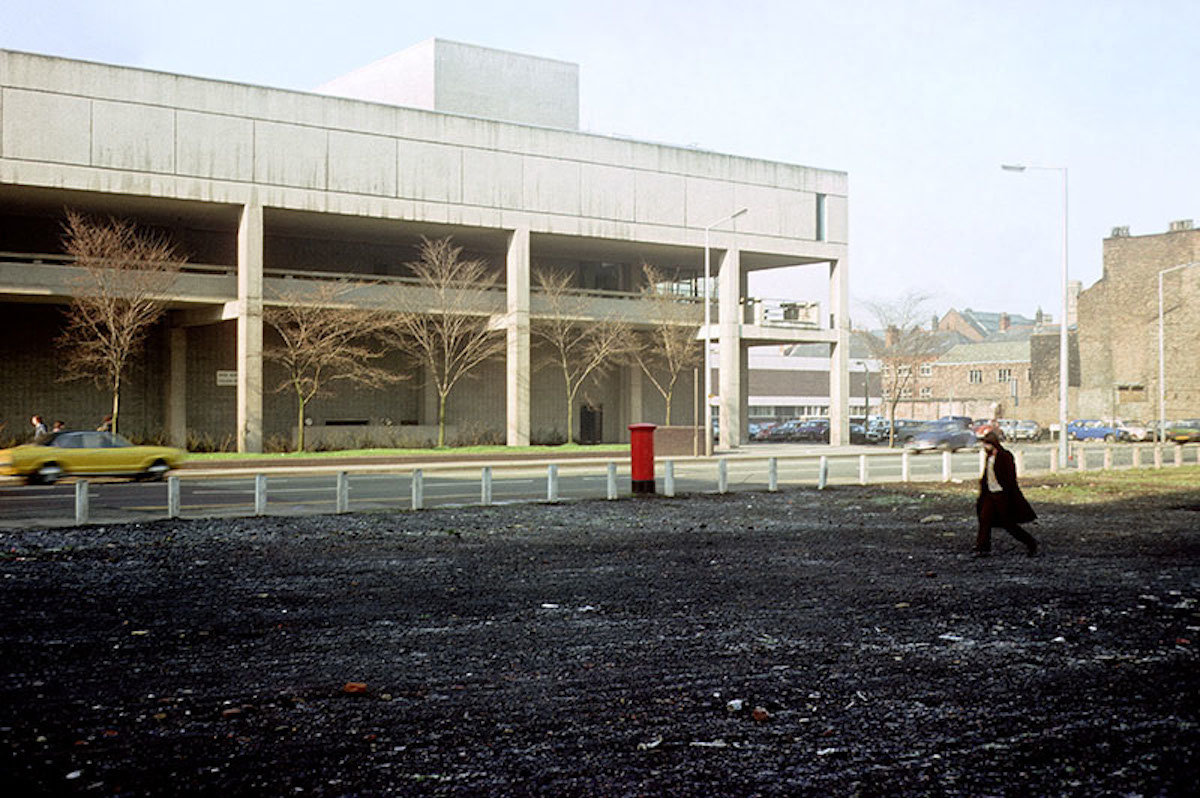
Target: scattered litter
(718,743)
(655,743)
(828,751)
(735,705)
(354,687)
(550,606)
(930,519)
(901,605)
(760,714)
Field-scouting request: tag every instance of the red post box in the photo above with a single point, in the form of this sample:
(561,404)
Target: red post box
(641,455)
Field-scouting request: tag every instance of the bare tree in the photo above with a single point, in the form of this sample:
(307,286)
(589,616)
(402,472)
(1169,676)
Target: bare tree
(901,347)
(323,340)
(670,345)
(449,333)
(120,295)
(581,347)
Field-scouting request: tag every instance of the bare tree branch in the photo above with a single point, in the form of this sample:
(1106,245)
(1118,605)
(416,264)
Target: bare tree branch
(323,340)
(447,326)
(120,294)
(670,347)
(581,347)
(901,348)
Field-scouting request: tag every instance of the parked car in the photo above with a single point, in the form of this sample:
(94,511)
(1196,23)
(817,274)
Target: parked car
(1135,430)
(87,453)
(1026,430)
(981,425)
(947,435)
(815,429)
(1094,430)
(858,433)
(786,431)
(905,428)
(1008,426)
(1184,431)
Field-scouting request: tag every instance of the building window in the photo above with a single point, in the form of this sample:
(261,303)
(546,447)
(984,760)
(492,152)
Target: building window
(975,376)
(906,393)
(926,393)
(1003,375)
(926,369)
(903,371)
(821,218)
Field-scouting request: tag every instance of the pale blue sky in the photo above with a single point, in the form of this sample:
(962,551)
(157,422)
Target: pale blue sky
(920,101)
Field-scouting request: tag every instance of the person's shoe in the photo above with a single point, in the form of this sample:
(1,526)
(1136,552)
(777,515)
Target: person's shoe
(1033,549)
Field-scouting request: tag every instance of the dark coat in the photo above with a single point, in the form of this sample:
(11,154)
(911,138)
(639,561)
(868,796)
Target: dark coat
(1017,509)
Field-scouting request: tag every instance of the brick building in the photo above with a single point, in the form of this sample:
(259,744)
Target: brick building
(1118,327)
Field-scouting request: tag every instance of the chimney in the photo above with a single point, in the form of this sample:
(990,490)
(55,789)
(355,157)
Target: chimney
(1005,323)
(1120,232)
(891,338)
(1180,226)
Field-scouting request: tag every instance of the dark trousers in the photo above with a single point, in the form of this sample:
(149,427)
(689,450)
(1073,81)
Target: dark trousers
(993,511)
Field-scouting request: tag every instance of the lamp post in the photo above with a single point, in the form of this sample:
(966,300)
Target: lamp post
(1062,323)
(1162,368)
(708,331)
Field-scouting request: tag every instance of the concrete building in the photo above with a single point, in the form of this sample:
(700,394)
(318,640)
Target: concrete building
(262,187)
(1119,325)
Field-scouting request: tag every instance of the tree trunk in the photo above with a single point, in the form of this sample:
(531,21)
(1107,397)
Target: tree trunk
(299,423)
(441,439)
(116,403)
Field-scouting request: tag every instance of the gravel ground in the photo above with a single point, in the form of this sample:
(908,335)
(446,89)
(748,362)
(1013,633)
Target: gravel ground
(801,643)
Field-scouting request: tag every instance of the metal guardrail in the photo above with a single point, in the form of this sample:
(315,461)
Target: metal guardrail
(722,474)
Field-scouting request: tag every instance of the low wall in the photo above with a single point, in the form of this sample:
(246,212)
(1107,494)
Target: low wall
(678,442)
(374,436)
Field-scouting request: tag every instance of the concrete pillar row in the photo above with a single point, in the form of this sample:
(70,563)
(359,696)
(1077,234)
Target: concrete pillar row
(177,386)
(731,355)
(516,326)
(250,328)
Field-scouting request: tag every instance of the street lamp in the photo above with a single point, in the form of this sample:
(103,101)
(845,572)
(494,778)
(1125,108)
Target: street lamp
(708,332)
(1162,369)
(1062,325)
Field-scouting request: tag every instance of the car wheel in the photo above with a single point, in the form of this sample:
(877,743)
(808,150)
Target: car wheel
(47,474)
(1109,438)
(157,470)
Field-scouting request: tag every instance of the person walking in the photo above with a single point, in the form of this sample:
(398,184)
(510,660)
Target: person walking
(105,425)
(39,428)
(1001,503)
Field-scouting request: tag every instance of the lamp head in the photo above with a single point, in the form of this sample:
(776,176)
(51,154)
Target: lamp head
(1012,167)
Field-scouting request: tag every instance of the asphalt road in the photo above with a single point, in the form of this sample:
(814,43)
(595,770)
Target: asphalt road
(217,493)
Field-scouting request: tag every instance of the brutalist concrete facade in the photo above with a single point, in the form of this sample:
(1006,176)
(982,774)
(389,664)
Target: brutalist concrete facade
(263,186)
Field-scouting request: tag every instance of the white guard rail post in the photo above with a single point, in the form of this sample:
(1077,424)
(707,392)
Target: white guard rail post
(773,474)
(904,464)
(260,494)
(418,489)
(823,473)
(81,501)
(485,486)
(722,476)
(669,478)
(1019,459)
(1137,456)
(1179,455)
(1107,458)
(862,469)
(1158,457)
(552,483)
(343,493)
(1054,460)
(612,481)
(947,467)
(173,497)
(1081,458)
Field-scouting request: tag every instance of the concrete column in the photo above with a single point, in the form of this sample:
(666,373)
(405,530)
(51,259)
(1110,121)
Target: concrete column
(250,329)
(637,410)
(839,355)
(516,327)
(729,336)
(177,386)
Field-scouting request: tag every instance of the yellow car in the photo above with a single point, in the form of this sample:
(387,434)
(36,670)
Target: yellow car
(85,453)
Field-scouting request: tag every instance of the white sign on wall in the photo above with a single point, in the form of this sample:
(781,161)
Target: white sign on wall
(227,378)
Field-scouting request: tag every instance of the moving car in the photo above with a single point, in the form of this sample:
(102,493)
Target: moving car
(948,435)
(1135,430)
(87,453)
(1184,431)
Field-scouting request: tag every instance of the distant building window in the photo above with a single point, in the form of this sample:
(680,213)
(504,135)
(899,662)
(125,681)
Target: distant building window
(926,393)
(903,371)
(975,376)
(1003,375)
(906,393)
(926,369)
